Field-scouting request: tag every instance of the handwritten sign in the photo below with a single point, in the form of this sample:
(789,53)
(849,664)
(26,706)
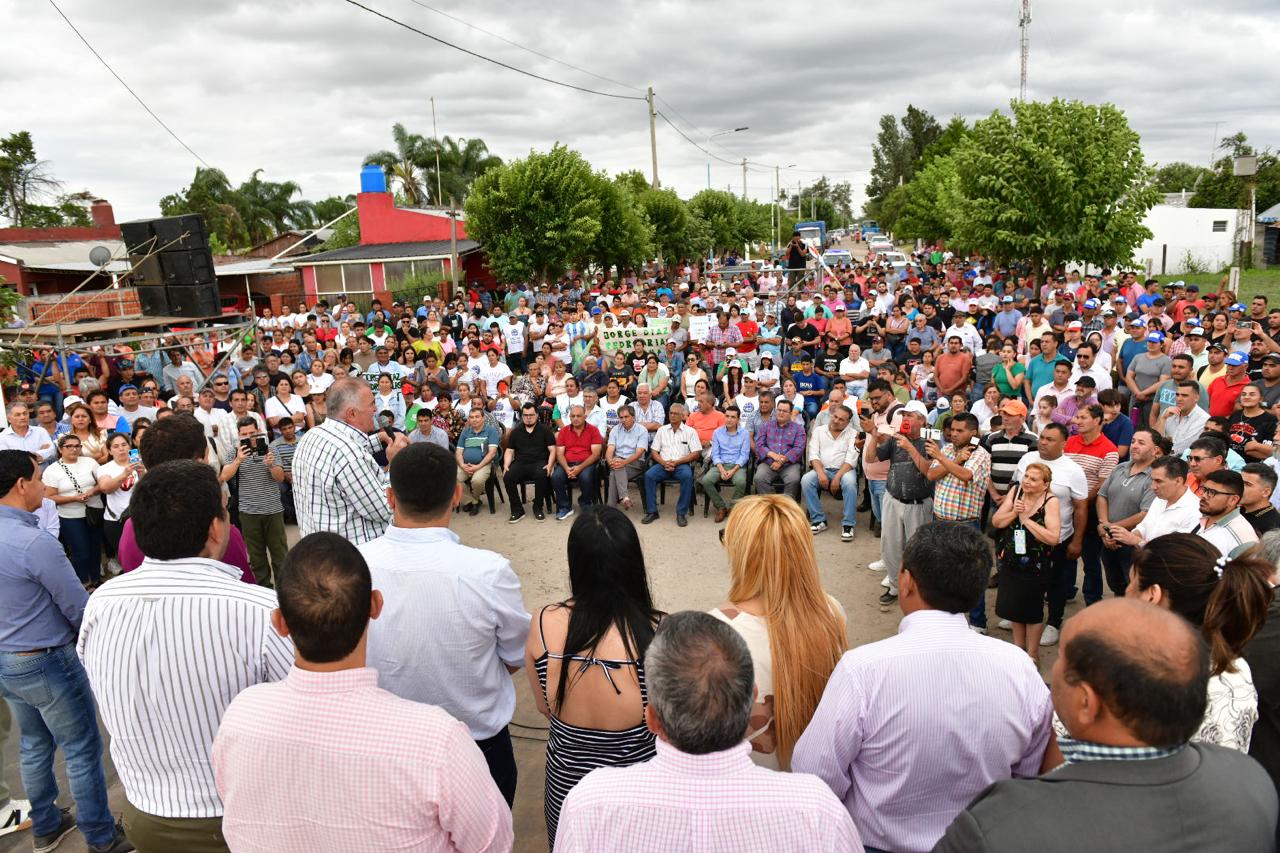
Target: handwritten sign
(653,336)
(699,326)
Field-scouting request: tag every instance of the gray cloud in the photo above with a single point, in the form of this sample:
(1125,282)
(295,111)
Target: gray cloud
(305,90)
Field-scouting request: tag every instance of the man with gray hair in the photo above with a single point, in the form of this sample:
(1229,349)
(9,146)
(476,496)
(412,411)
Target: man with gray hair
(701,791)
(675,448)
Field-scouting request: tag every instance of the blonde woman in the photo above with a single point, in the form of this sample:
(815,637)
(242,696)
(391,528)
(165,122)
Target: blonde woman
(1027,525)
(796,632)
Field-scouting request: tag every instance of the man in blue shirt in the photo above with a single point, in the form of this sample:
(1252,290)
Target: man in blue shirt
(40,674)
(1040,368)
(478,445)
(730,451)
(1006,322)
(811,386)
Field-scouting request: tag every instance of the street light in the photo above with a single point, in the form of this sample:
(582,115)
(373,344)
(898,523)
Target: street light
(713,136)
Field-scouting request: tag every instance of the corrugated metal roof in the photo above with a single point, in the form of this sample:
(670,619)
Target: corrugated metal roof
(252,267)
(387,251)
(71,255)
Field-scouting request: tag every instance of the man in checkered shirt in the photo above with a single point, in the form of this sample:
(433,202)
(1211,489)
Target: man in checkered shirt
(337,486)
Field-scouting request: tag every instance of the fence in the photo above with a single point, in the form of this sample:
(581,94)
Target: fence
(103,304)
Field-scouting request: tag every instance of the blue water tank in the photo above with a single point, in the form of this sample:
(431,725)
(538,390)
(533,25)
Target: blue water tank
(373,180)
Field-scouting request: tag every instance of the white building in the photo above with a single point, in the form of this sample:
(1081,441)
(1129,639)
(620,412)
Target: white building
(1188,238)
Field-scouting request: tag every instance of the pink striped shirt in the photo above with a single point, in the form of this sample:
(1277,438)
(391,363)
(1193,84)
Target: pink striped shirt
(329,761)
(718,801)
(913,727)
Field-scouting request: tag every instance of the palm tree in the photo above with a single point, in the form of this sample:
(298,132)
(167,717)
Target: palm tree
(461,162)
(267,208)
(404,164)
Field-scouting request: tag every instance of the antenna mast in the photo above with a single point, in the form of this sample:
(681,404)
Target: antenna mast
(1024,24)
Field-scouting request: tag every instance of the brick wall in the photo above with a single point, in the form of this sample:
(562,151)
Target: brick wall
(92,305)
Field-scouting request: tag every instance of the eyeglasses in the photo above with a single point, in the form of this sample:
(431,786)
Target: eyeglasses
(70,446)
(1194,458)
(1214,493)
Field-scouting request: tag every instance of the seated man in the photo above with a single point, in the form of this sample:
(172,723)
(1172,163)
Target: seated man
(1130,685)
(436,792)
(530,455)
(625,454)
(578,448)
(477,448)
(833,467)
(730,452)
(702,791)
(675,448)
(779,446)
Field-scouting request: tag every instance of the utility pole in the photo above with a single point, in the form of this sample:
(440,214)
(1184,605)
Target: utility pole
(436,136)
(453,247)
(1024,24)
(744,178)
(653,135)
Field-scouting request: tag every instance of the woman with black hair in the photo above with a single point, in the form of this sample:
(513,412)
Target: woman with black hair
(1227,600)
(586,660)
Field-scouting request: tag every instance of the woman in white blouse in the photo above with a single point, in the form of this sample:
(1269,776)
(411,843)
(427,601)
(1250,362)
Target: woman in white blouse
(1227,600)
(286,404)
(388,398)
(71,482)
(795,630)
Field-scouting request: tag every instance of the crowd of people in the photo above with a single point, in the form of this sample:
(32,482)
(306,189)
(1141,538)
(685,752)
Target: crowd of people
(356,692)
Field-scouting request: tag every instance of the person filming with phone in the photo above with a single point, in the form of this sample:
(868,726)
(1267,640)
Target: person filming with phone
(252,465)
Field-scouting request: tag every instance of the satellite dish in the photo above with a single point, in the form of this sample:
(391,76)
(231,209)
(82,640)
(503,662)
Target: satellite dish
(99,256)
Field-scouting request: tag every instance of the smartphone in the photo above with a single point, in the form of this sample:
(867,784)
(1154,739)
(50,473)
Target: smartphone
(975,442)
(135,458)
(256,445)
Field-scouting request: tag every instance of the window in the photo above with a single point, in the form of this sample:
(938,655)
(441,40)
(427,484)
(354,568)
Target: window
(343,278)
(1219,226)
(396,271)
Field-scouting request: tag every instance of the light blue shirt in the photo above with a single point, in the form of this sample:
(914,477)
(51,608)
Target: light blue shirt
(730,448)
(43,601)
(626,442)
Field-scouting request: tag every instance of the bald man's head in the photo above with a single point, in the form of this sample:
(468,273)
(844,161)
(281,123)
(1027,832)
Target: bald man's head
(1131,673)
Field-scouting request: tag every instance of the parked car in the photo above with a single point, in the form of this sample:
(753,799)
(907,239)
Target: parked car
(836,257)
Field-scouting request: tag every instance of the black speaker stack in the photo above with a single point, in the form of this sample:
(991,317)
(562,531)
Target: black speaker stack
(172,266)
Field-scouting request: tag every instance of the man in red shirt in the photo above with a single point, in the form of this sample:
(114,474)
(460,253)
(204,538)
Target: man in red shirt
(578,447)
(1098,457)
(952,369)
(749,330)
(1225,390)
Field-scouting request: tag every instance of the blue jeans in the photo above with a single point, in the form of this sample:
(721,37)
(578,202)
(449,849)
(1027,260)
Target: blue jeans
(876,487)
(978,615)
(586,482)
(85,544)
(51,700)
(683,474)
(813,497)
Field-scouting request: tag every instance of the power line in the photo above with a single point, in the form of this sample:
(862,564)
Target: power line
(489,59)
(516,44)
(695,144)
(136,97)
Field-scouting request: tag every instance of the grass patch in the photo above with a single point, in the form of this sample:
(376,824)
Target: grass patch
(1252,283)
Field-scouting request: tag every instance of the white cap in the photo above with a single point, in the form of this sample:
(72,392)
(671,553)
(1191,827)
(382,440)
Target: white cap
(917,407)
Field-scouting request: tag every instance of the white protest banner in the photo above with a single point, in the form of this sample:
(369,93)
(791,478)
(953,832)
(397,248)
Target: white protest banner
(654,335)
(699,326)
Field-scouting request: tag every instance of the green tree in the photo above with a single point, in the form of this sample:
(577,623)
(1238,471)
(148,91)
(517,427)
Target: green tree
(635,181)
(1054,182)
(897,151)
(535,215)
(462,161)
(670,220)
(625,237)
(1222,188)
(1176,177)
(268,208)
(211,195)
(922,206)
(332,207)
(30,197)
(404,165)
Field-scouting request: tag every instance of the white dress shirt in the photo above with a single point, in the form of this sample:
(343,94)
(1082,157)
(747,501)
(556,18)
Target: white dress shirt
(833,450)
(1182,429)
(453,616)
(36,441)
(1183,516)
(672,444)
(167,647)
(337,485)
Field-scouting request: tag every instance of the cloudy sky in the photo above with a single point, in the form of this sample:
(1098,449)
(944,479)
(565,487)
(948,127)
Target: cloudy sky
(306,90)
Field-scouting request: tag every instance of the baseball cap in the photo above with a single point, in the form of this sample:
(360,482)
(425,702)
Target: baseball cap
(917,407)
(1108,312)
(1155,338)
(595,310)
(728,351)
(1075,324)
(942,405)
(1013,407)
(1272,356)
(1007,299)
(838,307)
(1194,288)
(1196,330)
(126,387)
(1237,358)
(1217,345)
(124,363)
(1239,306)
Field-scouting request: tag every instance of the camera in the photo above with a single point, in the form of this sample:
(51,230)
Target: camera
(934,435)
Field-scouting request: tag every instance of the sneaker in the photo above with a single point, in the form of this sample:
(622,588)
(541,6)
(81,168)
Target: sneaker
(539,515)
(884,581)
(682,521)
(15,817)
(846,534)
(887,599)
(119,844)
(877,566)
(978,629)
(563,514)
(817,527)
(1004,625)
(515,517)
(1049,637)
(45,843)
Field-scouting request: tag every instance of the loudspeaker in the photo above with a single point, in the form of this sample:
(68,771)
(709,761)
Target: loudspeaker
(154,301)
(138,237)
(146,271)
(186,232)
(186,267)
(196,300)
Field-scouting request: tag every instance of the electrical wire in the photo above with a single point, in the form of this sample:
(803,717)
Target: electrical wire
(674,127)
(489,59)
(129,89)
(526,48)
